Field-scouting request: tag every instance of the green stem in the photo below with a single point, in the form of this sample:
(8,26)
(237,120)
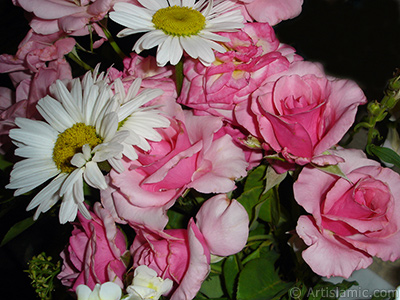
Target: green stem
(113,44)
(179,76)
(258,237)
(80,62)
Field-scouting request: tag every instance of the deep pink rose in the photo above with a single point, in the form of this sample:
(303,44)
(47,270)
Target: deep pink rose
(184,255)
(302,113)
(94,252)
(349,222)
(253,56)
(194,153)
(270,11)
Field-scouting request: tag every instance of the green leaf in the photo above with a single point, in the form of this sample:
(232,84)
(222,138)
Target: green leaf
(328,290)
(176,219)
(17,229)
(385,154)
(259,281)
(230,271)
(211,287)
(263,251)
(270,208)
(273,178)
(253,190)
(4,163)
(332,169)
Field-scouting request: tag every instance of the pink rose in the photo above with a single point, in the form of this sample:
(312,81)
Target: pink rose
(184,255)
(194,153)
(94,252)
(253,56)
(270,11)
(350,221)
(302,113)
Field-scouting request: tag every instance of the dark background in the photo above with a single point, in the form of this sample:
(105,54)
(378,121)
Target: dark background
(355,39)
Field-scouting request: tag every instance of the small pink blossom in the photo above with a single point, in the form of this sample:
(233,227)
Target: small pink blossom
(301,113)
(94,253)
(36,52)
(22,102)
(253,56)
(349,221)
(71,17)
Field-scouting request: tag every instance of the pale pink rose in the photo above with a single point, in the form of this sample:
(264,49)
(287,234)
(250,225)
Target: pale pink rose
(94,253)
(253,56)
(72,17)
(270,11)
(194,153)
(184,255)
(302,113)
(351,220)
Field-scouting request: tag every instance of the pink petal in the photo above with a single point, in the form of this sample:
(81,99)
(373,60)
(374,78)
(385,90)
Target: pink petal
(224,225)
(329,256)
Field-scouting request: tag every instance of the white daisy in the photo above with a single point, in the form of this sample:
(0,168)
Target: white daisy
(179,25)
(140,123)
(81,130)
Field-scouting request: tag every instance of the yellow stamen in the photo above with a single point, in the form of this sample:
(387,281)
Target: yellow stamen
(70,142)
(179,21)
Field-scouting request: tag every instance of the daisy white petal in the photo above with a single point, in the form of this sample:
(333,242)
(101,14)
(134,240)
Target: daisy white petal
(70,104)
(116,164)
(48,192)
(144,97)
(82,117)
(176,20)
(68,208)
(75,175)
(54,113)
(94,177)
(154,4)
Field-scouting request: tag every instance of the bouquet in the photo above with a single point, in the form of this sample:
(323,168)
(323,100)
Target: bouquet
(179,150)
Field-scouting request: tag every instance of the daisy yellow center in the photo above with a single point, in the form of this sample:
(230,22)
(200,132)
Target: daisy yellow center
(70,142)
(179,21)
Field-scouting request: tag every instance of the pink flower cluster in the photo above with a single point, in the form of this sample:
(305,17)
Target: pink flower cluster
(258,100)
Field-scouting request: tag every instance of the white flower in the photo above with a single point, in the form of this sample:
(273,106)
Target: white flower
(81,130)
(179,25)
(141,122)
(106,291)
(147,285)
